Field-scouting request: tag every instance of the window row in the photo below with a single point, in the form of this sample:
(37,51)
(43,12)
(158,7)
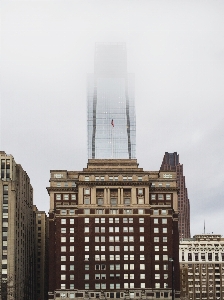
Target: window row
(160,197)
(113,178)
(65,197)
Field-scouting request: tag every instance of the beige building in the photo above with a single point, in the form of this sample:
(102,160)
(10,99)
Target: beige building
(41,242)
(113,232)
(202,267)
(17,247)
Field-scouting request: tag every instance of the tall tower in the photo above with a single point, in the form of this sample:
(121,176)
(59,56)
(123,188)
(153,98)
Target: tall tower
(17,244)
(111,108)
(171,163)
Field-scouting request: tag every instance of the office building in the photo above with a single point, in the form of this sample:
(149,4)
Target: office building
(113,232)
(17,250)
(171,162)
(202,267)
(41,255)
(110,105)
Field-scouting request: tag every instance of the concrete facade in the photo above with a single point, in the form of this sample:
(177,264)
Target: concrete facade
(113,229)
(17,250)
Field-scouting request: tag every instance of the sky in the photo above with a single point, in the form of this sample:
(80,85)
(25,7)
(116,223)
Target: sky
(174,48)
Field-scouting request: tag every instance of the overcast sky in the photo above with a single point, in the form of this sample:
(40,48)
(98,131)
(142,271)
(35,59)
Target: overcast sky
(175,49)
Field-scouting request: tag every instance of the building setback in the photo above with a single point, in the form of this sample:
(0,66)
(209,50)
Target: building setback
(17,250)
(110,105)
(113,232)
(202,267)
(171,162)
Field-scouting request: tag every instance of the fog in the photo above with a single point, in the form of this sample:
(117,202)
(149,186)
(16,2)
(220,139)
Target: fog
(175,49)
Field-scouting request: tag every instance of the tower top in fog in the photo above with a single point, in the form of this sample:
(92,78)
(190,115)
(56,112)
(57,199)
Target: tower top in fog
(111,108)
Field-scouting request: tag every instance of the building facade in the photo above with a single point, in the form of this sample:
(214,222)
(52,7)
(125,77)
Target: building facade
(41,255)
(110,105)
(202,267)
(17,250)
(113,232)
(171,162)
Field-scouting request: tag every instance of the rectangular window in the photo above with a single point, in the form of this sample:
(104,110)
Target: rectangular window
(155,211)
(164,221)
(72,221)
(156,230)
(58,196)
(100,201)
(164,230)
(160,197)
(86,191)
(113,201)
(165,239)
(153,196)
(86,178)
(65,197)
(142,266)
(63,221)
(73,196)
(127,201)
(140,211)
(140,200)
(168,196)
(156,221)
(86,200)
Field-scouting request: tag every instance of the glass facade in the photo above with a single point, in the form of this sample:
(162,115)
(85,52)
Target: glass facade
(111,108)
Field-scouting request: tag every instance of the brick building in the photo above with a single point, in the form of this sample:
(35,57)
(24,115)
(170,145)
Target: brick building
(171,162)
(113,231)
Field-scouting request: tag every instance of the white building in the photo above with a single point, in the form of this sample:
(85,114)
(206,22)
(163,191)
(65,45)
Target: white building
(202,267)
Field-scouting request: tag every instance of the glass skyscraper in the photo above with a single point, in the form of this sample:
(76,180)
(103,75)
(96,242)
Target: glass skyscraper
(111,107)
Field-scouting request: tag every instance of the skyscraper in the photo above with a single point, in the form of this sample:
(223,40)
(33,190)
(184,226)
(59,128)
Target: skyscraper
(17,250)
(111,108)
(171,163)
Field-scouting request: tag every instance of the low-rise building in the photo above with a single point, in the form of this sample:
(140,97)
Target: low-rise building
(202,267)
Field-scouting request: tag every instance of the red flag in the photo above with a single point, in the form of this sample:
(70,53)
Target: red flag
(112,122)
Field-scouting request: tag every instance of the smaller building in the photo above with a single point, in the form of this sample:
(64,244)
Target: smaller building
(41,238)
(202,267)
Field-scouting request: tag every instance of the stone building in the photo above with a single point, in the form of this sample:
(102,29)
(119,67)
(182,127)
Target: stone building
(113,232)
(17,250)
(202,267)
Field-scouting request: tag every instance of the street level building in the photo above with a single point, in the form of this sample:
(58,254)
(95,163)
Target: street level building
(41,255)
(202,267)
(17,244)
(171,162)
(110,105)
(113,232)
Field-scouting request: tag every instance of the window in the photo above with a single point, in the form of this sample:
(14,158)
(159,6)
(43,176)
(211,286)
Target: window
(164,248)
(160,197)
(156,239)
(72,258)
(142,266)
(63,267)
(72,221)
(113,211)
(142,257)
(86,229)
(62,286)
(87,248)
(73,196)
(63,239)
(141,229)
(164,212)
(168,196)
(65,197)
(153,197)
(140,200)
(142,276)
(142,248)
(164,221)
(140,191)
(63,230)
(63,277)
(165,257)
(63,248)
(72,248)
(165,239)
(127,201)
(157,285)
(71,211)
(71,268)
(86,220)
(86,200)
(156,230)
(142,285)
(58,196)
(63,221)
(86,211)
(142,239)
(156,221)
(156,257)
(86,276)
(141,211)
(86,191)
(141,220)
(87,256)
(86,178)
(164,230)
(63,258)
(156,267)
(113,201)
(87,239)
(157,276)
(100,201)
(156,248)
